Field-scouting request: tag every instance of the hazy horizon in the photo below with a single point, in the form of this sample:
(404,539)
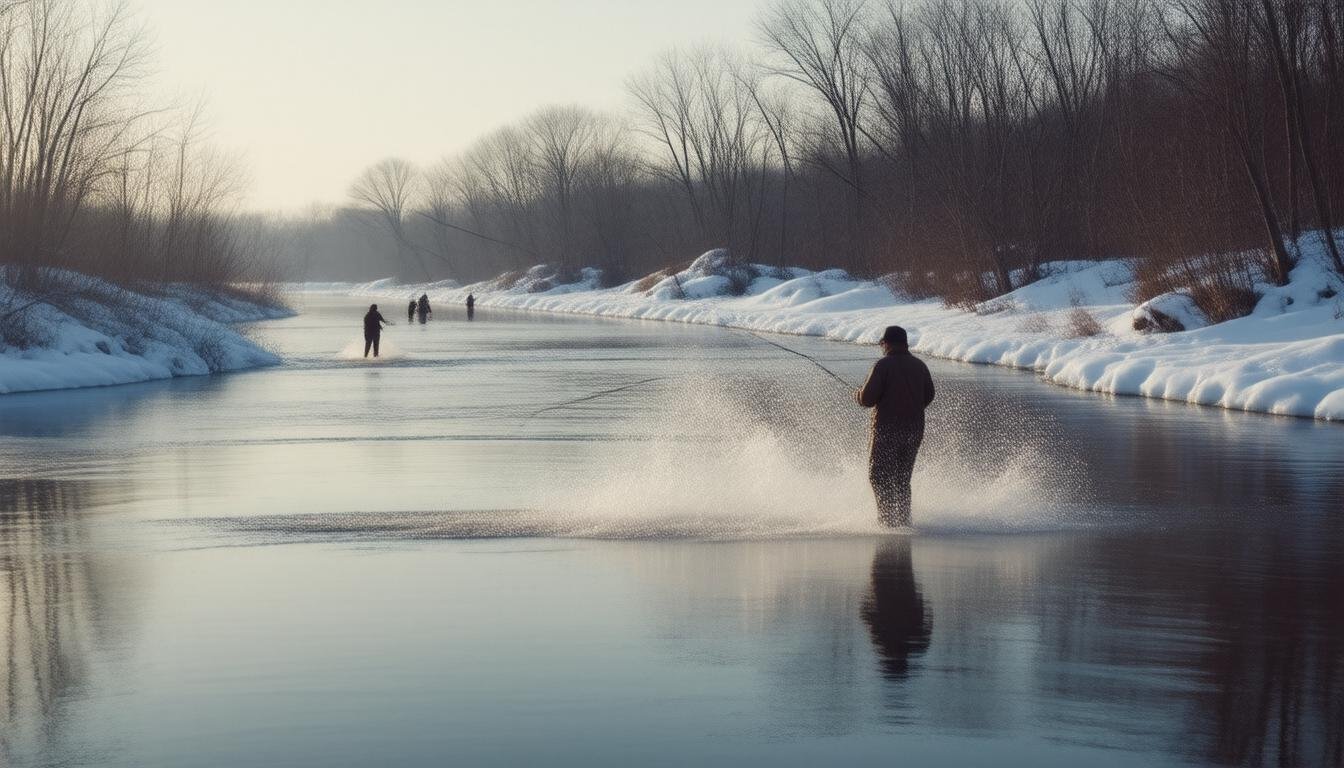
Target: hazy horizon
(319,91)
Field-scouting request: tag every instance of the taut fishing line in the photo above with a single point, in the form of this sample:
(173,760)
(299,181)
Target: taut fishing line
(805,356)
(596,395)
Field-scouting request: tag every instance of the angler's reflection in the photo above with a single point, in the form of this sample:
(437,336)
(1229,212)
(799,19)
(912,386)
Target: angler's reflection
(894,610)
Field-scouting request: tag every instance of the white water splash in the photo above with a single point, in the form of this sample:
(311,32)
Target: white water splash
(387,350)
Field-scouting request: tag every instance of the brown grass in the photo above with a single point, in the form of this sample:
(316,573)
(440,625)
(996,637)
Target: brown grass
(1222,285)
(1082,324)
(646,283)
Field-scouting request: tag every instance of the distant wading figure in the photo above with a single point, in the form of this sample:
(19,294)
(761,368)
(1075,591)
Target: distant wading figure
(410,312)
(471,306)
(899,389)
(424,308)
(373,328)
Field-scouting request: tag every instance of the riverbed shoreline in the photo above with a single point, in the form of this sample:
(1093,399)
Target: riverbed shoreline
(1286,358)
(81,331)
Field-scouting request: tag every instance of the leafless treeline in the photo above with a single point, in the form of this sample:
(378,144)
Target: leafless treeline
(91,177)
(954,144)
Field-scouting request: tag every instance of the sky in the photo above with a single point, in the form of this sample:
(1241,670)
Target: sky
(310,92)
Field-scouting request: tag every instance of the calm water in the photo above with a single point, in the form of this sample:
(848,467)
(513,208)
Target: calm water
(440,559)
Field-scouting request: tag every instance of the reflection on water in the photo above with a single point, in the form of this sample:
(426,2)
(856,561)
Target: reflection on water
(894,611)
(43,575)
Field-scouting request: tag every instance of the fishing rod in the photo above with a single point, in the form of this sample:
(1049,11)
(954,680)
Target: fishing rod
(805,356)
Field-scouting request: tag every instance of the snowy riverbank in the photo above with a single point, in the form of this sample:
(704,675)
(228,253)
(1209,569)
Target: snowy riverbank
(1287,357)
(79,331)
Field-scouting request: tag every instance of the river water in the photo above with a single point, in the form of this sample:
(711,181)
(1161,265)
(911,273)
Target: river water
(529,539)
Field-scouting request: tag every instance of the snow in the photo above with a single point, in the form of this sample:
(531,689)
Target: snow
(101,334)
(1287,357)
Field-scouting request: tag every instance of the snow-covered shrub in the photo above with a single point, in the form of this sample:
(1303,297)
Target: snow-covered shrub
(1036,322)
(720,262)
(1168,313)
(506,281)
(647,282)
(1222,286)
(20,327)
(1224,301)
(963,290)
(711,262)
(909,285)
(1083,324)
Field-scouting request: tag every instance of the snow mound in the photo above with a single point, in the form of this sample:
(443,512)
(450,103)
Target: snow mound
(80,331)
(1168,313)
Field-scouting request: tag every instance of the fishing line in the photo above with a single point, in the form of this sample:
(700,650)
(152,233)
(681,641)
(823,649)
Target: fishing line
(597,394)
(473,233)
(806,357)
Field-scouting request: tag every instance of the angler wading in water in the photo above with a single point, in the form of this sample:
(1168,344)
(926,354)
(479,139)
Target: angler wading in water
(898,390)
(373,329)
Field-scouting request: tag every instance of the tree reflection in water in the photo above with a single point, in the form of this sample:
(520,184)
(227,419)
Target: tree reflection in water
(44,607)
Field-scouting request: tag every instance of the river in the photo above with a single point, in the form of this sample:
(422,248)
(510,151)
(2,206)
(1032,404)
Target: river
(529,539)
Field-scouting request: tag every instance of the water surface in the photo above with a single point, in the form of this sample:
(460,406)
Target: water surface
(440,557)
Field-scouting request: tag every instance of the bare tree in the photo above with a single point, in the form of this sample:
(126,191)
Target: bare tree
(386,190)
(65,69)
(776,113)
(821,45)
(1283,25)
(498,183)
(562,140)
(699,107)
(1216,59)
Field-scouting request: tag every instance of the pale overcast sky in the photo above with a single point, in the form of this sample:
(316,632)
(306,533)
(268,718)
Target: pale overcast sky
(312,91)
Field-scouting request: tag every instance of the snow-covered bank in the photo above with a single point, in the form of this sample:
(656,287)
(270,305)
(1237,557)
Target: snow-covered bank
(79,331)
(1287,357)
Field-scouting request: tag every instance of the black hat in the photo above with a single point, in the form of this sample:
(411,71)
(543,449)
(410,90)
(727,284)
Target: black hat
(895,337)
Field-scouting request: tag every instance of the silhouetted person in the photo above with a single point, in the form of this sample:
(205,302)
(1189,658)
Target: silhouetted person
(894,610)
(410,312)
(423,308)
(373,328)
(471,306)
(899,388)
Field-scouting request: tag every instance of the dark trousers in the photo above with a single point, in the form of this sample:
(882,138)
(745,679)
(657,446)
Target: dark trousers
(891,464)
(371,340)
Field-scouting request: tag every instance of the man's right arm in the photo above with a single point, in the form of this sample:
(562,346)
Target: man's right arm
(871,391)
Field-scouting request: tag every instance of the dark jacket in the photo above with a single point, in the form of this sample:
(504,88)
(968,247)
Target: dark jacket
(899,388)
(373,323)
